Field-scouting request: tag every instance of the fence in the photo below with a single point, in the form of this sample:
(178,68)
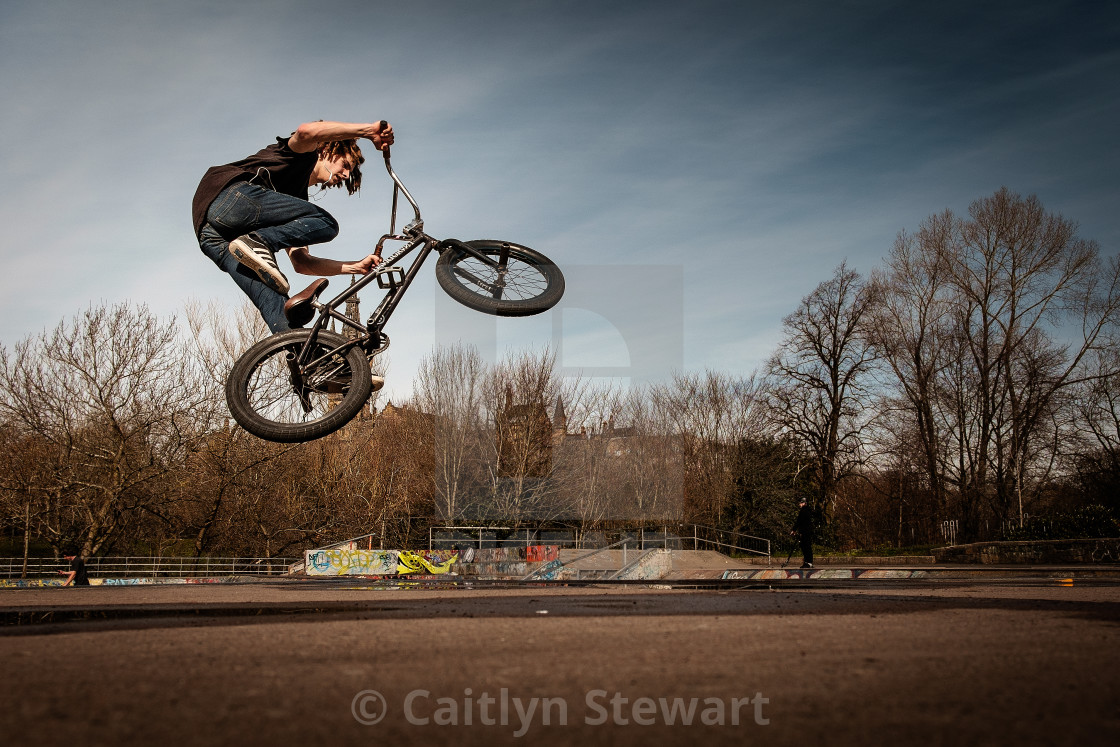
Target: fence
(680,537)
(116,567)
(949,531)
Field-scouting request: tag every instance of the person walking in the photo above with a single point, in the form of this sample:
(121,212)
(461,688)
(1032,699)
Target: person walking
(77,575)
(803,529)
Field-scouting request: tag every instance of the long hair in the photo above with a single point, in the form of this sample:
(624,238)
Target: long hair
(350,150)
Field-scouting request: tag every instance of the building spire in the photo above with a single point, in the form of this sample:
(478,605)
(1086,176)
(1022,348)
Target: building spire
(352,313)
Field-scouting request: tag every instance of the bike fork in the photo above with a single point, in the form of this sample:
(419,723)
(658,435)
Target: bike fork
(503,263)
(297,381)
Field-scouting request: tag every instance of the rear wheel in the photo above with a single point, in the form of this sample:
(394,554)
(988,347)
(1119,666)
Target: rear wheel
(272,398)
(519,281)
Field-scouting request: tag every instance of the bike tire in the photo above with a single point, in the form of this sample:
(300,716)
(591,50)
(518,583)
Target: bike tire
(264,401)
(533,282)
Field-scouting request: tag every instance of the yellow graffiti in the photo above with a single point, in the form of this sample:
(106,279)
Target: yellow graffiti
(410,562)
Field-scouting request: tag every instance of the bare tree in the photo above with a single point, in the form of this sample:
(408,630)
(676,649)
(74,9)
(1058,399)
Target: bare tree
(911,325)
(821,378)
(711,414)
(974,317)
(230,462)
(652,465)
(119,402)
(220,335)
(585,467)
(1018,270)
(536,469)
(1093,449)
(29,484)
(449,389)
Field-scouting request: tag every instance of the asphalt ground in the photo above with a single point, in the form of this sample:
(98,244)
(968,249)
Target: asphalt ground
(1012,661)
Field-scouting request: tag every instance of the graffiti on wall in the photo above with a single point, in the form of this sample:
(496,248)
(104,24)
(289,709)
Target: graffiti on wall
(654,564)
(17,583)
(542,553)
(22,583)
(531,554)
(867,574)
(348,560)
(435,561)
(550,571)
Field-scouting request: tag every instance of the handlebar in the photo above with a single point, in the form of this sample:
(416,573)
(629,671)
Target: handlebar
(418,223)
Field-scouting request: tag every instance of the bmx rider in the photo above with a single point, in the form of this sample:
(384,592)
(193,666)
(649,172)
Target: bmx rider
(246,211)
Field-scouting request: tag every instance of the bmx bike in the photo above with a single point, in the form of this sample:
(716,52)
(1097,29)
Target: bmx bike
(308,382)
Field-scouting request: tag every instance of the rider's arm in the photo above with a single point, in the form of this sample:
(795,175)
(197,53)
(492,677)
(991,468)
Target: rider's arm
(310,135)
(305,263)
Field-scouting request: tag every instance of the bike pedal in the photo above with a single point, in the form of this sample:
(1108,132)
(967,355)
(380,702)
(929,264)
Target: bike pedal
(390,278)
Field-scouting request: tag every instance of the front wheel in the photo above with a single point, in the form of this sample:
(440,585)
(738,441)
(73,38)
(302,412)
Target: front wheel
(518,281)
(274,398)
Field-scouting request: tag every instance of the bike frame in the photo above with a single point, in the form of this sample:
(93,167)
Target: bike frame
(370,336)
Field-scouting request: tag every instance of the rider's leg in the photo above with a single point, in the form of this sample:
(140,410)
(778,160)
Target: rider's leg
(268,302)
(278,220)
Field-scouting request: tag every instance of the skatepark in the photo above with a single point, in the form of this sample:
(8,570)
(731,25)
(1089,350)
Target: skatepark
(693,646)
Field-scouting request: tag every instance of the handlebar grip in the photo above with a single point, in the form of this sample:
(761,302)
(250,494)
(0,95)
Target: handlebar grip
(385,149)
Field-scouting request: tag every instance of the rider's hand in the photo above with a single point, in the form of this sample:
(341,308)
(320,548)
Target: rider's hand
(362,266)
(382,137)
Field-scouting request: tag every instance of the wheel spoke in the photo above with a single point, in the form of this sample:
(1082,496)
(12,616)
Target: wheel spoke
(470,276)
(277,394)
(520,281)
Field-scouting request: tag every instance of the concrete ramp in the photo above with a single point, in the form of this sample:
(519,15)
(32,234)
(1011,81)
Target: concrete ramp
(702,564)
(650,564)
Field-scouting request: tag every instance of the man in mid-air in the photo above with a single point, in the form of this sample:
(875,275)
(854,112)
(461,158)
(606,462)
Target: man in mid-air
(246,211)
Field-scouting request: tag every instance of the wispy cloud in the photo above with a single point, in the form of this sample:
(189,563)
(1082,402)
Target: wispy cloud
(753,147)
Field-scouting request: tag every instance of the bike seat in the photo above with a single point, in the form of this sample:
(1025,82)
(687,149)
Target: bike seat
(298,308)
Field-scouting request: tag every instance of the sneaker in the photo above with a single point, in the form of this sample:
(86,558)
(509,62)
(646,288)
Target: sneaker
(261,260)
(807,565)
(378,382)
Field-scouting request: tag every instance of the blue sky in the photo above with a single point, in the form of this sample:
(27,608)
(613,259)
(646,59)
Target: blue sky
(746,148)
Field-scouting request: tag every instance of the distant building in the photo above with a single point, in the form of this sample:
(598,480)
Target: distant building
(615,437)
(523,438)
(526,439)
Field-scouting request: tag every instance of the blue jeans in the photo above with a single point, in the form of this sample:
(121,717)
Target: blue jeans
(278,220)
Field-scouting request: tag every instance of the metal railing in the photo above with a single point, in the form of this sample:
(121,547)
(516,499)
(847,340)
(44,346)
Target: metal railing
(668,537)
(470,536)
(135,566)
(624,542)
(725,538)
(356,541)
(949,529)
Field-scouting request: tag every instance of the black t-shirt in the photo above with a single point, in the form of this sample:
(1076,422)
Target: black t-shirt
(81,577)
(277,167)
(804,523)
